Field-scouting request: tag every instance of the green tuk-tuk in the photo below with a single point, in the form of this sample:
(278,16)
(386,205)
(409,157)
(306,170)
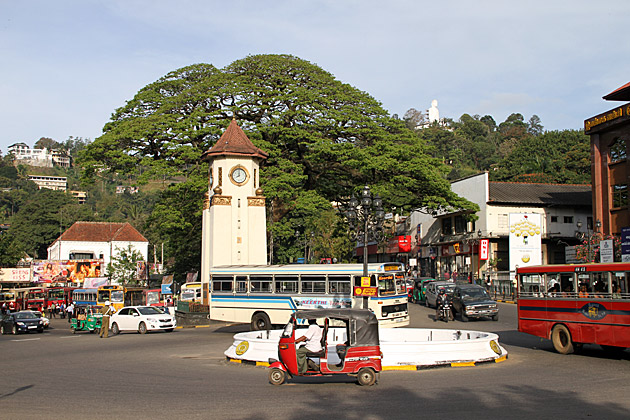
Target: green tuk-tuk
(419,288)
(85,318)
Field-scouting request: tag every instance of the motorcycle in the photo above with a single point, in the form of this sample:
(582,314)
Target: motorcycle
(444,312)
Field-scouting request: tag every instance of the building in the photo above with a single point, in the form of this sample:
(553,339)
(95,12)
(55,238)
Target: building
(23,154)
(59,183)
(97,240)
(610,167)
(449,242)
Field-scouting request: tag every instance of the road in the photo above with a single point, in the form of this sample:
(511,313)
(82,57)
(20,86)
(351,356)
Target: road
(184,374)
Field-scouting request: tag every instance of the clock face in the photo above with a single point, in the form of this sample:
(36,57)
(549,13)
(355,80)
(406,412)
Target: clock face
(239,175)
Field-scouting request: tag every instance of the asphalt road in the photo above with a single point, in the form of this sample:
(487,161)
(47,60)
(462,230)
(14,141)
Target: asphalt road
(184,375)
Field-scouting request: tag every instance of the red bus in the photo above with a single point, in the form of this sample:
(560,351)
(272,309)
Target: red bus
(576,304)
(9,300)
(153,297)
(58,295)
(35,299)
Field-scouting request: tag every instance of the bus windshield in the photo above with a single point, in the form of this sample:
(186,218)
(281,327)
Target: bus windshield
(386,284)
(117,296)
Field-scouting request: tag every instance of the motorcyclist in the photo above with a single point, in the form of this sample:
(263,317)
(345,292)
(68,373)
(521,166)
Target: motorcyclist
(442,301)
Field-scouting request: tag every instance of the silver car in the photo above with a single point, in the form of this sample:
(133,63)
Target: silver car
(433,289)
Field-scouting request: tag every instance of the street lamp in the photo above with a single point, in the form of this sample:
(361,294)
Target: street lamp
(365,220)
(588,235)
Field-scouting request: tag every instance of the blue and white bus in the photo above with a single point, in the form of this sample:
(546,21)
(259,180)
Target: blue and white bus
(84,296)
(267,294)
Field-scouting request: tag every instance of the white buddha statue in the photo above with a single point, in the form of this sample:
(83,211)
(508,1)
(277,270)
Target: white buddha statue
(434,114)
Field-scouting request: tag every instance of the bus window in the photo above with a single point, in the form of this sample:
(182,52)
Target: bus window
(566,283)
(118,296)
(286,284)
(241,284)
(620,279)
(339,285)
(260,284)
(531,284)
(386,284)
(313,284)
(219,284)
(584,279)
(103,295)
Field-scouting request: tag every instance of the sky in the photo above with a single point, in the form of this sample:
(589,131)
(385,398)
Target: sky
(67,65)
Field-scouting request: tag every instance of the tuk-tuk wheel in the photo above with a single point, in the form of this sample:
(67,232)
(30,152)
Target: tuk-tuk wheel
(74,331)
(366,377)
(277,376)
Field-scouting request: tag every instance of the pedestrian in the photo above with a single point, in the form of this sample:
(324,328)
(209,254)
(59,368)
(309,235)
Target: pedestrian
(62,310)
(70,311)
(53,312)
(107,310)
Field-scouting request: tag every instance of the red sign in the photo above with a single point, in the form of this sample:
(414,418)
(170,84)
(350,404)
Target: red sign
(483,249)
(365,291)
(404,243)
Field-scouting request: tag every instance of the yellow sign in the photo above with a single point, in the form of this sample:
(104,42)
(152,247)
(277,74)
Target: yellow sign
(365,282)
(365,291)
(607,116)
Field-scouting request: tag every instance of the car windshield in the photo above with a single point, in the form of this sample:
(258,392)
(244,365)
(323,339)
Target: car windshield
(149,310)
(447,289)
(474,294)
(26,315)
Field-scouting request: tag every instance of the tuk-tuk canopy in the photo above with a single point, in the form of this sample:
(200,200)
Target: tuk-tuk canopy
(362,323)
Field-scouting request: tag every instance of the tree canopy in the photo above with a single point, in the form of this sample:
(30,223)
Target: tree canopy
(325,139)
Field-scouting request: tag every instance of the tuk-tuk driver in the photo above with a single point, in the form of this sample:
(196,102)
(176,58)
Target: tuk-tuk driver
(313,338)
(106,310)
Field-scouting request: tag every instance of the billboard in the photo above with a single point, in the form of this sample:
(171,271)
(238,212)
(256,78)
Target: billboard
(63,271)
(525,239)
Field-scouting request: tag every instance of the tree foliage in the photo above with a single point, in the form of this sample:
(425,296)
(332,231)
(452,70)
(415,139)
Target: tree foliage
(123,266)
(325,140)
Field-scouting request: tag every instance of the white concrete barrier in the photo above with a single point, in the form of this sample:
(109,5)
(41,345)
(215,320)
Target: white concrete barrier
(411,348)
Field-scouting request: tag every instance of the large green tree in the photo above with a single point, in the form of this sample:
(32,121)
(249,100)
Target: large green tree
(325,140)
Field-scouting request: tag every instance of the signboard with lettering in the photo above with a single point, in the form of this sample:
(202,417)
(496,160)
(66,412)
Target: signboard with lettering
(625,244)
(606,251)
(483,249)
(365,291)
(525,242)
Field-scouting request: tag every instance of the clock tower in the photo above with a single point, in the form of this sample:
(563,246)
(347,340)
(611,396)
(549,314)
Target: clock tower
(234,229)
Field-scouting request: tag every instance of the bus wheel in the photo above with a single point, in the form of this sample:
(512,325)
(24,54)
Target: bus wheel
(260,322)
(366,377)
(561,339)
(277,376)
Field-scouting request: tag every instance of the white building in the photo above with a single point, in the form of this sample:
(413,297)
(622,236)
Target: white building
(449,243)
(59,183)
(97,240)
(38,157)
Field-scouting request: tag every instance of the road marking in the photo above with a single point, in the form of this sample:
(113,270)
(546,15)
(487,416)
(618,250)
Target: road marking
(27,339)
(71,336)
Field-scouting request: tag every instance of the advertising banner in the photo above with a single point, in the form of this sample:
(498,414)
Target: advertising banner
(75,271)
(525,239)
(404,243)
(365,291)
(15,275)
(625,244)
(483,249)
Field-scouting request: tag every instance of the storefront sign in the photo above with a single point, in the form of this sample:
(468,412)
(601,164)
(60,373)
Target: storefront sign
(483,249)
(15,275)
(404,243)
(365,291)
(607,116)
(625,244)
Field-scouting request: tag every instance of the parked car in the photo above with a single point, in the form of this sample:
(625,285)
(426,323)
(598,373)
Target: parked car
(141,319)
(433,289)
(473,301)
(23,321)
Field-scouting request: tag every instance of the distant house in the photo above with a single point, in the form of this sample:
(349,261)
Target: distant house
(39,157)
(97,240)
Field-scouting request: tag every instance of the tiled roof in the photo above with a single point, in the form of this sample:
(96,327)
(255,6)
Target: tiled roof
(620,94)
(540,194)
(102,232)
(234,142)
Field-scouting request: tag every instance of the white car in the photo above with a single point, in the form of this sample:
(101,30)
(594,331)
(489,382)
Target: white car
(141,319)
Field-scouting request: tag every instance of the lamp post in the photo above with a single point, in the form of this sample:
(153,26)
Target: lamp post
(588,235)
(365,220)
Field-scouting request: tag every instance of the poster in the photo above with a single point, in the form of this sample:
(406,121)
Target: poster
(525,239)
(63,271)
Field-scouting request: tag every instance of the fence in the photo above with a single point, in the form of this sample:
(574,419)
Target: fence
(502,285)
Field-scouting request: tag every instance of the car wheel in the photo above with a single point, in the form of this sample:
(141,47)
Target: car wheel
(14,330)
(495,317)
(366,377)
(464,317)
(277,376)
(260,322)
(426,302)
(142,328)
(115,329)
(561,339)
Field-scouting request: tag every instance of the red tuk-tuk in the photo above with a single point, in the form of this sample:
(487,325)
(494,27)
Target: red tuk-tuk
(359,356)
